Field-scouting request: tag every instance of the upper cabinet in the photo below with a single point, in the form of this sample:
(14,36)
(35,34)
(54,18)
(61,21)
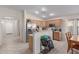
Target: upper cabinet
(39,23)
(42,23)
(57,22)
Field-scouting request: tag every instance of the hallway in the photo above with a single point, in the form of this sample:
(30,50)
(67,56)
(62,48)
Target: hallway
(12,45)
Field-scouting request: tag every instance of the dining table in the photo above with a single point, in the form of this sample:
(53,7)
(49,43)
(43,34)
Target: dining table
(75,39)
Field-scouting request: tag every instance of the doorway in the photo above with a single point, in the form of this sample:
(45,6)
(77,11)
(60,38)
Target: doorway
(9,29)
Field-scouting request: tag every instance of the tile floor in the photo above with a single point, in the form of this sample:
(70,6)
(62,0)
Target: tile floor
(61,48)
(12,45)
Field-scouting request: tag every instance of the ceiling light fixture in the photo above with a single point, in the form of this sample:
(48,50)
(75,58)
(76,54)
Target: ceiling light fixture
(36,12)
(51,14)
(44,16)
(44,9)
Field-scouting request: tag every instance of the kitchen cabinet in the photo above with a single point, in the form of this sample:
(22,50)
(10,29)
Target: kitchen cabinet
(57,35)
(45,23)
(30,39)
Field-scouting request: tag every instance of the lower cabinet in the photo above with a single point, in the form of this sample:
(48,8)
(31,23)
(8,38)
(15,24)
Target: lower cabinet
(30,39)
(57,35)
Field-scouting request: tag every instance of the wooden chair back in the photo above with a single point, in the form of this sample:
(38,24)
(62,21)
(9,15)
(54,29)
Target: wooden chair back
(68,37)
(71,44)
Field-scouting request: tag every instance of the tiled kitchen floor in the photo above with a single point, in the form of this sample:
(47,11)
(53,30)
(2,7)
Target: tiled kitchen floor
(60,47)
(12,45)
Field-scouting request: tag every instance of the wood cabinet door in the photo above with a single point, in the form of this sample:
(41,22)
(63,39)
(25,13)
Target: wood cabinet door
(31,43)
(57,36)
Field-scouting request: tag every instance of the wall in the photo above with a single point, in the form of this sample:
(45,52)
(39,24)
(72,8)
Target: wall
(0,35)
(18,15)
(9,27)
(67,24)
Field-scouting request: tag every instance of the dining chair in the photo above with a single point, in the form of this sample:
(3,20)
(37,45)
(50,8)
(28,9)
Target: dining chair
(68,37)
(71,44)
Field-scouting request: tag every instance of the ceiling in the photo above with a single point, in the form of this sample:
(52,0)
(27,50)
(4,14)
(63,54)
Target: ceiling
(43,11)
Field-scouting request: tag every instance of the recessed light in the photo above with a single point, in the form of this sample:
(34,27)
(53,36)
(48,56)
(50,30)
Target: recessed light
(44,9)
(44,16)
(36,12)
(51,14)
